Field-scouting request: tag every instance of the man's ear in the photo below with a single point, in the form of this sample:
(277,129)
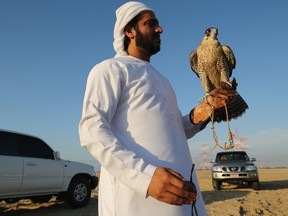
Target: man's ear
(129,32)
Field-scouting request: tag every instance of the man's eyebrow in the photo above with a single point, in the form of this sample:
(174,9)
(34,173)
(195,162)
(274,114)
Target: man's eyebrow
(155,21)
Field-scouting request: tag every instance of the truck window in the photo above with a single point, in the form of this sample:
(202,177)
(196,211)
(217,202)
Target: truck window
(34,147)
(8,144)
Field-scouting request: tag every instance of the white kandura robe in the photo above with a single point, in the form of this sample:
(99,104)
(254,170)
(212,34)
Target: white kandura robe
(131,124)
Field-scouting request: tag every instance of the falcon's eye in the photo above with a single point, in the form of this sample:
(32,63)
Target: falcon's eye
(208,31)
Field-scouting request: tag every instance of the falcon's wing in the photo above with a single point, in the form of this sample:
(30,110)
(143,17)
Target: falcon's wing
(231,58)
(194,62)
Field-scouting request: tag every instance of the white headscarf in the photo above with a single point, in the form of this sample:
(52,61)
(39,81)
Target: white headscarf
(124,15)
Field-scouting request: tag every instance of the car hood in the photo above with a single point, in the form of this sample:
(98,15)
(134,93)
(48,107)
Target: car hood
(78,167)
(75,163)
(234,163)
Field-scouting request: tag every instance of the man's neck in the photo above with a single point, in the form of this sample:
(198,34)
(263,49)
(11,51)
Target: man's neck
(139,53)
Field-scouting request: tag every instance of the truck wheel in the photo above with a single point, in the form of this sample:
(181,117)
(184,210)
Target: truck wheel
(255,185)
(216,184)
(79,192)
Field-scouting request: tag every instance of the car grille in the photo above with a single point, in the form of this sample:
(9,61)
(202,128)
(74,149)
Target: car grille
(233,168)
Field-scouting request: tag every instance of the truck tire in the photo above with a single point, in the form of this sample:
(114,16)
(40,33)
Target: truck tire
(79,192)
(255,185)
(216,184)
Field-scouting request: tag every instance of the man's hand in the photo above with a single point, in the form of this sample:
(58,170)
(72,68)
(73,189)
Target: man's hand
(169,186)
(219,96)
(215,101)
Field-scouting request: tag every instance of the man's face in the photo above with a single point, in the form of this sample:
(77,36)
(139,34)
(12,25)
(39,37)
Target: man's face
(148,33)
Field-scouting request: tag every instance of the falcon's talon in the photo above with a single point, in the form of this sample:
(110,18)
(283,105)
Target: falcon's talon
(204,98)
(207,102)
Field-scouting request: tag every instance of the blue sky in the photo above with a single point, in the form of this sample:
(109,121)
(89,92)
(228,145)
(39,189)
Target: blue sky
(47,49)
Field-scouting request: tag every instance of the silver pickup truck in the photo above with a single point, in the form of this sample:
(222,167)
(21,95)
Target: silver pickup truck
(234,167)
(29,168)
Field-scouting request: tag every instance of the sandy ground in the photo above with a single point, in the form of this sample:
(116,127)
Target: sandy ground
(272,199)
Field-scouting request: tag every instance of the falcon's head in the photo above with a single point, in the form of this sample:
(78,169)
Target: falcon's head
(211,32)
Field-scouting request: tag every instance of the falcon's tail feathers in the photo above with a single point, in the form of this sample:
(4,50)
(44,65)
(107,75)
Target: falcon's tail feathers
(236,108)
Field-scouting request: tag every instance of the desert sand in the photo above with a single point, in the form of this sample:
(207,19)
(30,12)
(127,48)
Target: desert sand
(272,199)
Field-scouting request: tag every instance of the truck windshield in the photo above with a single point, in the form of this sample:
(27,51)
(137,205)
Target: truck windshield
(227,157)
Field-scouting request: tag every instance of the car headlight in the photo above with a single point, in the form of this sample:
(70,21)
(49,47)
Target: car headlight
(251,168)
(217,168)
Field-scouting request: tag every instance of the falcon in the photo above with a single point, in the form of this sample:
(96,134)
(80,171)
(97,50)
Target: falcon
(213,63)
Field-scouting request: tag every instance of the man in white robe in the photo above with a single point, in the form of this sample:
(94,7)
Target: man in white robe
(131,124)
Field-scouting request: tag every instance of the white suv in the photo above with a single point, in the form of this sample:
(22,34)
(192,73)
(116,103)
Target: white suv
(29,168)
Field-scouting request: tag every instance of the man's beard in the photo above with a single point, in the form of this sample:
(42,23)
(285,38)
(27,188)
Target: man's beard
(148,43)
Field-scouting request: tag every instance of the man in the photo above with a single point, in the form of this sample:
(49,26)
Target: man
(132,125)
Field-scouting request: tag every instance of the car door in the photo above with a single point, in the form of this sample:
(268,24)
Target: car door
(11,166)
(42,173)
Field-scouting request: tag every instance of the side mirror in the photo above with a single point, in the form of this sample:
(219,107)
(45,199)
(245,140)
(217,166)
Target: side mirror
(212,161)
(253,159)
(57,155)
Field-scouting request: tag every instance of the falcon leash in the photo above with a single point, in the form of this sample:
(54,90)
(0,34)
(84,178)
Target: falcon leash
(230,134)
